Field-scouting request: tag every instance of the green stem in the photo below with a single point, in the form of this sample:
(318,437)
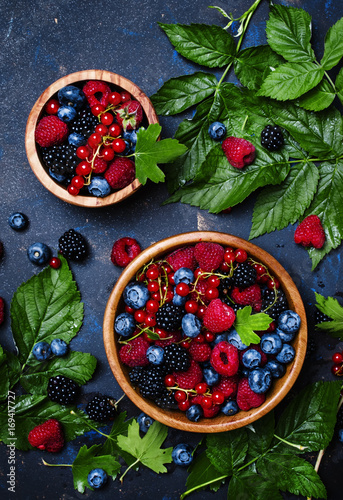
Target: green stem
(132,465)
(56,465)
(94,428)
(329,80)
(298,446)
(203,485)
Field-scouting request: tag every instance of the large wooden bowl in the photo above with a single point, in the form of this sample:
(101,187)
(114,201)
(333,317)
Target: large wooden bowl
(31,147)
(177,419)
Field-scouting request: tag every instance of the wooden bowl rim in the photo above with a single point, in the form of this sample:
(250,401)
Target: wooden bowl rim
(30,143)
(177,419)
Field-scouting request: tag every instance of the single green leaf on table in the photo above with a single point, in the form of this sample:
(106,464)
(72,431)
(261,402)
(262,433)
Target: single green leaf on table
(319,98)
(228,450)
(149,151)
(88,459)
(4,378)
(246,324)
(210,46)
(332,308)
(202,474)
(249,485)
(333,46)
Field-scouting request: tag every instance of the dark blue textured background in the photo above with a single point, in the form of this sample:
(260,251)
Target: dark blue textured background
(44,40)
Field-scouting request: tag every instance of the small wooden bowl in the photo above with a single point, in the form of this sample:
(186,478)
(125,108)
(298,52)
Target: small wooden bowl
(177,419)
(31,147)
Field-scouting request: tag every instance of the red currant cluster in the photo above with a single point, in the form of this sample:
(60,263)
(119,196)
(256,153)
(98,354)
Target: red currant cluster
(337,367)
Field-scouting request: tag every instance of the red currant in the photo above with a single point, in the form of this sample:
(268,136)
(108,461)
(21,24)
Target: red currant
(169,380)
(209,336)
(156,295)
(337,358)
(94,140)
(52,107)
(114,98)
(129,309)
(150,320)
(72,190)
(153,286)
(200,338)
(201,388)
(161,333)
(139,316)
(214,281)
(273,283)
(206,402)
(191,306)
(182,289)
(97,109)
(107,153)
(167,268)
(337,370)
(199,274)
(55,262)
(241,255)
(107,119)
(101,129)
(229,257)
(125,96)
(114,130)
(212,293)
(218,397)
(260,269)
(171,278)
(83,152)
(152,306)
(201,311)
(184,405)
(118,145)
(180,396)
(152,273)
(78,181)
(225,267)
(185,344)
(83,168)
(169,296)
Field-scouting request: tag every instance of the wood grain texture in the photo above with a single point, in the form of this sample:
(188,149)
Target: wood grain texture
(36,112)
(177,419)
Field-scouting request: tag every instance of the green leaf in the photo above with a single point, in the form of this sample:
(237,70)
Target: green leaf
(318,98)
(13,367)
(289,33)
(88,459)
(332,308)
(227,451)
(210,46)
(278,206)
(261,434)
(149,152)
(291,80)
(254,64)
(292,474)
(4,378)
(202,474)
(178,94)
(47,306)
(333,47)
(249,485)
(246,324)
(147,450)
(78,366)
(309,420)
(120,427)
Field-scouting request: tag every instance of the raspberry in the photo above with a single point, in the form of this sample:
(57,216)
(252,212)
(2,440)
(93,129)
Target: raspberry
(176,358)
(62,390)
(190,378)
(272,138)
(47,436)
(199,352)
(73,245)
(244,275)
(134,352)
(209,255)
(169,317)
(183,257)
(239,152)
(246,398)
(101,408)
(250,296)
(208,412)
(95,87)
(310,232)
(130,115)
(51,131)
(2,310)
(124,251)
(120,173)
(218,316)
(228,386)
(225,359)
(99,165)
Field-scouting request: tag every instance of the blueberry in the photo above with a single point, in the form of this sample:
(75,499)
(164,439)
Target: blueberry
(234,339)
(155,354)
(41,351)
(182,454)
(59,347)
(194,413)
(130,135)
(57,177)
(125,324)
(144,422)
(66,113)
(260,379)
(285,337)
(340,435)
(220,337)
(18,221)
(278,370)
(183,275)
(289,321)
(271,343)
(229,408)
(286,355)
(99,187)
(71,96)
(217,131)
(211,376)
(97,478)
(178,300)
(136,295)
(191,325)
(38,253)
(76,139)
(251,358)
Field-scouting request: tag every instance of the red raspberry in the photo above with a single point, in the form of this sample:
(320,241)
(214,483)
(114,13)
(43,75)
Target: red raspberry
(208,412)
(183,257)
(99,165)
(120,173)
(190,378)
(250,296)
(310,232)
(51,131)
(225,359)
(2,310)
(246,398)
(199,352)
(239,152)
(209,255)
(130,115)
(134,352)
(47,436)
(94,87)
(218,316)
(124,251)
(173,337)
(228,386)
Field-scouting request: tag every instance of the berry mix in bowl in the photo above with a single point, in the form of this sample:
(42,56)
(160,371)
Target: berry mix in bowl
(81,134)
(205,332)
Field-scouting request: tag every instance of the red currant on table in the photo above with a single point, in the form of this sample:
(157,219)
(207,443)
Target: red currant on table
(229,257)
(78,182)
(212,293)
(150,320)
(206,402)
(209,336)
(52,107)
(273,283)
(152,273)
(184,405)
(83,168)
(139,316)
(107,118)
(152,306)
(83,152)
(153,286)
(118,145)
(201,388)
(191,306)
(214,281)
(218,397)
(337,370)
(55,262)
(337,358)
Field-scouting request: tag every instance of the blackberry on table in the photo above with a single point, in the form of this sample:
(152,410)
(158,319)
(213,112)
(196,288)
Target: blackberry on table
(61,160)
(244,275)
(84,123)
(272,138)
(274,305)
(73,245)
(169,317)
(62,390)
(176,358)
(151,382)
(101,408)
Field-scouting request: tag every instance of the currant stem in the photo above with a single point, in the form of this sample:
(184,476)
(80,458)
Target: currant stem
(298,446)
(56,465)
(130,467)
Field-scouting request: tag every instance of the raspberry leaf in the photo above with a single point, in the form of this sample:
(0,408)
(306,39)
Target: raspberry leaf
(333,47)
(210,46)
(260,434)
(332,308)
(5,382)
(318,98)
(251,486)
(246,324)
(203,474)
(339,85)
(227,451)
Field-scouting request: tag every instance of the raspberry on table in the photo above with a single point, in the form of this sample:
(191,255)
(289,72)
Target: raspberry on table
(310,232)
(51,131)
(101,408)
(73,245)
(120,173)
(47,436)
(124,251)
(63,390)
(272,138)
(209,255)
(228,385)
(239,152)
(200,352)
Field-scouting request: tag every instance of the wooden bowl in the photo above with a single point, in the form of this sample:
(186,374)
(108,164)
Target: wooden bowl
(175,418)
(31,147)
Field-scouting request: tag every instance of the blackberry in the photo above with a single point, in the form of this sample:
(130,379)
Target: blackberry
(101,408)
(225,287)
(272,305)
(63,390)
(169,317)
(321,317)
(176,358)
(61,160)
(167,401)
(235,307)
(73,245)
(84,123)
(135,375)
(151,382)
(244,275)
(272,138)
